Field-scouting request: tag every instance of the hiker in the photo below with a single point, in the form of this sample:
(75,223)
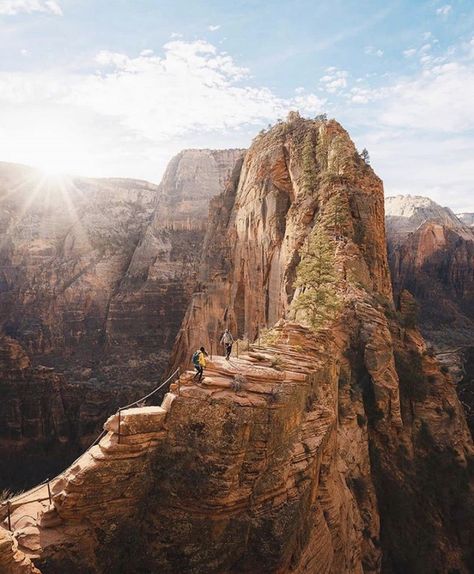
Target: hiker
(199,362)
(227,340)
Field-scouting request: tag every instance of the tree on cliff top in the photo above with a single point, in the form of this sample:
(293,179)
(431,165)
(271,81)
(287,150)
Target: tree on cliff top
(315,279)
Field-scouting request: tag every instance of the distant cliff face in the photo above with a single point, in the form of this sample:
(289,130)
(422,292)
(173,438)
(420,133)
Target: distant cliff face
(95,278)
(431,255)
(98,273)
(66,244)
(405,213)
(466,218)
(149,305)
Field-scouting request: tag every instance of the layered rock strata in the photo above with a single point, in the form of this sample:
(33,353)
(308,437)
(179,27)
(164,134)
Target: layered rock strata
(147,311)
(337,445)
(431,255)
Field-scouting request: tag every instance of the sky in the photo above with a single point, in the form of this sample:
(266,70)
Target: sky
(117,87)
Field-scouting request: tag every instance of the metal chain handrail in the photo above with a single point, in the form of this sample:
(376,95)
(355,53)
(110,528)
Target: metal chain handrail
(47,481)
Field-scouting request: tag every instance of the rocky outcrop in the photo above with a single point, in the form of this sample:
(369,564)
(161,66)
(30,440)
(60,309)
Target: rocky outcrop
(398,407)
(336,445)
(12,561)
(431,255)
(291,177)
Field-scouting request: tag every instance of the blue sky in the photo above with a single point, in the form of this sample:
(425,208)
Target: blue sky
(115,88)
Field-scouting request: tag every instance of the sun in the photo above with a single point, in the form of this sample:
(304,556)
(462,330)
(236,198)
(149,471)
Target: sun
(56,144)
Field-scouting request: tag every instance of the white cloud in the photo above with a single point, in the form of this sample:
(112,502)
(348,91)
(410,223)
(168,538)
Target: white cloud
(439,99)
(444,10)
(372,51)
(213,28)
(12,7)
(419,128)
(334,80)
(409,53)
(141,108)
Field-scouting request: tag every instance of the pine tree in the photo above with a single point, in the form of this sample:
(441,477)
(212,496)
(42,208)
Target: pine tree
(364,154)
(337,215)
(316,279)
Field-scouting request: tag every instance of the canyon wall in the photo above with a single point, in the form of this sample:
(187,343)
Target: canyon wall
(431,255)
(95,277)
(334,444)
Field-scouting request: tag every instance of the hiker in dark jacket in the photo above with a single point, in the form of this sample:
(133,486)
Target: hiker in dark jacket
(227,340)
(199,362)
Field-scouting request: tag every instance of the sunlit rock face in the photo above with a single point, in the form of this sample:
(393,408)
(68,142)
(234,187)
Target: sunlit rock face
(366,500)
(335,447)
(66,245)
(431,255)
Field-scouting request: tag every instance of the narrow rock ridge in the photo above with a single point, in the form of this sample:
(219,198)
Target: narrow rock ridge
(113,480)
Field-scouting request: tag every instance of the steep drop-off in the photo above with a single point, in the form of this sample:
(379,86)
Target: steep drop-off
(431,255)
(336,446)
(95,277)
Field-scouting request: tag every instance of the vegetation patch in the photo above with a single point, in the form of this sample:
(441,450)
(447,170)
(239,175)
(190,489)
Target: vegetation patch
(316,298)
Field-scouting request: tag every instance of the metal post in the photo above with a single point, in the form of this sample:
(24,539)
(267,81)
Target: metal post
(119,420)
(49,491)
(9,516)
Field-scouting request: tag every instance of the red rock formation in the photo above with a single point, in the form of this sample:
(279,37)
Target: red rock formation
(33,421)
(149,306)
(336,446)
(431,254)
(12,561)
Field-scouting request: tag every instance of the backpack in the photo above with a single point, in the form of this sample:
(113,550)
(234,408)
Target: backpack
(196,356)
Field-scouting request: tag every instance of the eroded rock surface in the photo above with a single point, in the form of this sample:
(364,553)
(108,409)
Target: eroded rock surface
(431,255)
(335,444)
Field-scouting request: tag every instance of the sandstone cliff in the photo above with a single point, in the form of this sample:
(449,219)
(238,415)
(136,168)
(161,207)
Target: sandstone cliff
(337,445)
(431,255)
(95,277)
(150,303)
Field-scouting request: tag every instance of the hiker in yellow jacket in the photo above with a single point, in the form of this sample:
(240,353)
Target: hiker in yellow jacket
(199,362)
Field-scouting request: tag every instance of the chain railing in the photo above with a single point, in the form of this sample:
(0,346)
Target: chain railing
(15,499)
